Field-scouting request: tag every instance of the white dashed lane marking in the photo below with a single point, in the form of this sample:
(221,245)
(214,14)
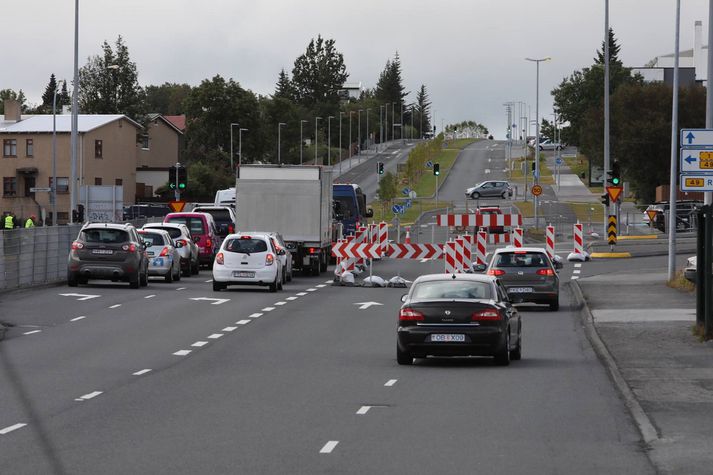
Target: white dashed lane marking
(311,290)
(89,396)
(329,282)
(32,332)
(143,371)
(268,309)
(116,306)
(574,277)
(578,265)
(182,352)
(199,344)
(301,294)
(320,286)
(209,281)
(230,329)
(328,447)
(279,304)
(11,428)
(391,382)
(576,271)
(255,315)
(181,288)
(215,336)
(363,410)
(243,322)
(291,298)
(150,296)
(76,319)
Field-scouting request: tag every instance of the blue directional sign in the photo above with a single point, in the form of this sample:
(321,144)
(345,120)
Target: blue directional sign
(398,209)
(697,138)
(559,161)
(406,191)
(429,164)
(696,160)
(407,204)
(697,182)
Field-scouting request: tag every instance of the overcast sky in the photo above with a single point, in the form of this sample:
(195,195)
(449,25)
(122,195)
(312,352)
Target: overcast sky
(469,53)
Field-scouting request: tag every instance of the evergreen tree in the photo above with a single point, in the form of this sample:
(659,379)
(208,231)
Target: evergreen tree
(284,88)
(423,113)
(614,48)
(319,73)
(64,99)
(48,95)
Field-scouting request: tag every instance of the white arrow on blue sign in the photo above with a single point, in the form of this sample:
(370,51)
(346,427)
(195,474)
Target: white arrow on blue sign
(398,209)
(408,203)
(429,164)
(559,161)
(696,160)
(696,137)
(406,191)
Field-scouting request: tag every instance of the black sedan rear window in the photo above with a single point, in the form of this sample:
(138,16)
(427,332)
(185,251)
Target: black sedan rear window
(450,289)
(246,246)
(521,259)
(104,236)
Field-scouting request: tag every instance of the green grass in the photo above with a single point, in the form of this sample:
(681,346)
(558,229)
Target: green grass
(426,185)
(679,282)
(527,208)
(382,213)
(583,210)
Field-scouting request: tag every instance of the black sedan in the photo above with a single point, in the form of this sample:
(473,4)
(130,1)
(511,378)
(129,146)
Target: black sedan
(458,315)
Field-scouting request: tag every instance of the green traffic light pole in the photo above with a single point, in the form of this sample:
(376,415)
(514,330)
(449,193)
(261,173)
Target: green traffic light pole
(176,191)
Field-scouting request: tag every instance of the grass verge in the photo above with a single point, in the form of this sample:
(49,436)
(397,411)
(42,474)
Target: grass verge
(584,212)
(679,282)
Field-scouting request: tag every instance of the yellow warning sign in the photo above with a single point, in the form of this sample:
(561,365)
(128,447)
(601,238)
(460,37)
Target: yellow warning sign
(611,229)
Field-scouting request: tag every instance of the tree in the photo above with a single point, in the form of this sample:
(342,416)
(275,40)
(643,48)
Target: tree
(319,73)
(48,95)
(110,83)
(390,88)
(547,130)
(166,99)
(12,95)
(388,187)
(423,111)
(284,88)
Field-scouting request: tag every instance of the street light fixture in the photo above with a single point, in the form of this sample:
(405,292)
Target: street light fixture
(301,140)
(279,156)
(315,139)
(537,131)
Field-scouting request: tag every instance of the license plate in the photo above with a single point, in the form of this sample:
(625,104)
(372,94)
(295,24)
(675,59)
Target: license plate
(150,253)
(241,273)
(158,261)
(102,251)
(448,337)
(520,290)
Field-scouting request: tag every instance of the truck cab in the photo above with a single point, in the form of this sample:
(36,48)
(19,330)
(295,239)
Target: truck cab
(350,207)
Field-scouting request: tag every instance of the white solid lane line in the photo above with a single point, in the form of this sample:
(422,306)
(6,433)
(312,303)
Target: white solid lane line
(230,329)
(268,309)
(363,410)
(391,382)
(199,344)
(32,332)
(579,264)
(215,336)
(89,396)
(11,428)
(279,304)
(301,294)
(76,319)
(182,352)
(291,298)
(181,288)
(116,306)
(243,322)
(328,447)
(150,296)
(143,371)
(255,315)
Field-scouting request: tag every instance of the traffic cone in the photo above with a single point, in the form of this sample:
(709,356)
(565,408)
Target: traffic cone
(408,236)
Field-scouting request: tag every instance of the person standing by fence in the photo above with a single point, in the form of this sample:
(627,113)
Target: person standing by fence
(30,223)
(8,222)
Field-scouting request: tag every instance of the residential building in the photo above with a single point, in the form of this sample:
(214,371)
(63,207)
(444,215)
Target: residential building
(158,149)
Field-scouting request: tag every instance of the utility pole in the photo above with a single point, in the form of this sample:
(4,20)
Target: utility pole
(606,106)
(75,120)
(672,197)
(708,196)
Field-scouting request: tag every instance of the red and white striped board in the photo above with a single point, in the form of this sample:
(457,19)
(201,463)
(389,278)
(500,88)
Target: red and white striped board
(499,238)
(363,250)
(550,241)
(362,236)
(517,235)
(481,220)
(450,253)
(415,251)
(578,239)
(480,248)
(464,250)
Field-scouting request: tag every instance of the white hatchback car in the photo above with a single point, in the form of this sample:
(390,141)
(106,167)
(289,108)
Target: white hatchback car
(248,259)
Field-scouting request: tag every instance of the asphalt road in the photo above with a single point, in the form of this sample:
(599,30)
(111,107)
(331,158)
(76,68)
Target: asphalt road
(302,381)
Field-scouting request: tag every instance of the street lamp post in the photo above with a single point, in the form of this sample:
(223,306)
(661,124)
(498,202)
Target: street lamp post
(75,119)
(386,120)
(240,145)
(279,155)
(54,157)
(301,140)
(381,125)
(315,139)
(537,132)
(329,140)
(359,131)
(393,122)
(233,124)
(341,114)
(350,133)
(368,134)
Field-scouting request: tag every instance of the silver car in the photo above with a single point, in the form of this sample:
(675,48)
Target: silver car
(528,274)
(285,258)
(490,189)
(164,259)
(187,249)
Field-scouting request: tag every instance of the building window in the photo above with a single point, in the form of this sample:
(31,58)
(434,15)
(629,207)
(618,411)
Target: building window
(97,180)
(62,184)
(9,148)
(98,149)
(9,186)
(145,142)
(118,182)
(29,148)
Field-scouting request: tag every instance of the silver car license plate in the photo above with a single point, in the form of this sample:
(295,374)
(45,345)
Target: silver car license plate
(448,337)
(102,251)
(242,273)
(520,290)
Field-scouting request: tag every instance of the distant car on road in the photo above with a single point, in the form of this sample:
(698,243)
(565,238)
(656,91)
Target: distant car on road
(528,273)
(248,259)
(164,259)
(489,210)
(187,249)
(490,189)
(689,272)
(203,233)
(458,315)
(548,144)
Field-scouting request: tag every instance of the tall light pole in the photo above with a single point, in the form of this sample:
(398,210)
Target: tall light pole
(232,124)
(350,133)
(329,140)
(54,157)
(240,145)
(381,125)
(386,120)
(341,114)
(368,134)
(301,140)
(393,122)
(708,196)
(537,130)
(359,132)
(674,153)
(606,108)
(412,129)
(279,155)
(315,139)
(75,120)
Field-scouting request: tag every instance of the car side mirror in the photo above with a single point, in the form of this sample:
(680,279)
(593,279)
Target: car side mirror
(479,267)
(178,245)
(281,252)
(404,297)
(144,245)
(369,213)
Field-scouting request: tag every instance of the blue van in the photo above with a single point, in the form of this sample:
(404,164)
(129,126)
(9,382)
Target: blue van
(350,207)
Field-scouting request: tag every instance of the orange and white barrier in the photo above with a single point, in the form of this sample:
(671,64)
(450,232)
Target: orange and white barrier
(517,236)
(550,241)
(578,239)
(450,253)
(480,248)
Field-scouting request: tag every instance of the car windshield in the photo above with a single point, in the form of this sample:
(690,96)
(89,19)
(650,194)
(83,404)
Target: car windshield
(195,225)
(521,259)
(450,289)
(246,245)
(104,236)
(152,239)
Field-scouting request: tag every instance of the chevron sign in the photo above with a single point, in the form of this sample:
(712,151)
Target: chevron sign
(415,251)
(365,250)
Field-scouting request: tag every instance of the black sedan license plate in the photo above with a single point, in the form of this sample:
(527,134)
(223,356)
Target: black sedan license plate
(240,273)
(520,290)
(448,337)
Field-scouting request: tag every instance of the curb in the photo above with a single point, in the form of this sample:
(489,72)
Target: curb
(646,428)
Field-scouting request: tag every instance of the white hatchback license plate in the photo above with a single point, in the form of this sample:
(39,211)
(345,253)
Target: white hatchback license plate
(243,274)
(448,337)
(102,251)
(520,290)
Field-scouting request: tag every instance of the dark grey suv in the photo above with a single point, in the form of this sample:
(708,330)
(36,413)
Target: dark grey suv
(108,251)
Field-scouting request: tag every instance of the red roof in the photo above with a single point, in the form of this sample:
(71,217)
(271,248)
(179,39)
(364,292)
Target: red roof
(178,121)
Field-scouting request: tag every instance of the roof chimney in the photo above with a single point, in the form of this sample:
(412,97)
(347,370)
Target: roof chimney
(12,110)
(699,56)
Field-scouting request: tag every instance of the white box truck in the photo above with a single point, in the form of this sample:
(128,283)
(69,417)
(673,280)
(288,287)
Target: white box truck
(293,200)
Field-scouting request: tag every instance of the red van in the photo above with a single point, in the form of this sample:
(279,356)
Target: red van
(203,232)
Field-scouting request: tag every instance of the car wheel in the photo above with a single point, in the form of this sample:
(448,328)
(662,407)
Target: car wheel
(273,286)
(144,278)
(403,357)
(504,195)
(516,354)
(135,281)
(289,276)
(555,305)
(169,275)
(218,286)
(72,279)
(502,357)
(280,284)
(284,279)
(323,263)
(475,195)
(195,267)
(177,277)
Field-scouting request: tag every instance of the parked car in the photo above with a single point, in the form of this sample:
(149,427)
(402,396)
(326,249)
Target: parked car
(248,259)
(490,189)
(203,232)
(528,273)
(224,218)
(285,259)
(187,249)
(685,219)
(164,259)
(458,315)
(689,272)
(108,251)
(548,144)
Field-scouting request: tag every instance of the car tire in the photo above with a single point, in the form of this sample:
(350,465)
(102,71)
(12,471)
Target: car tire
(403,357)
(280,284)
(504,195)
(555,305)
(289,276)
(502,357)
(475,195)
(72,279)
(218,286)
(516,354)
(144,278)
(135,282)
(177,277)
(273,286)
(169,276)
(195,267)
(324,263)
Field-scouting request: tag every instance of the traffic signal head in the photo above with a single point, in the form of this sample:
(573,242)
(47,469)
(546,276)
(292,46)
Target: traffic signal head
(605,199)
(172,178)
(380,168)
(436,169)
(615,174)
(182,178)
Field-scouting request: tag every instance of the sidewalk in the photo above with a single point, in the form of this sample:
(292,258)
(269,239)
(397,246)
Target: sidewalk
(642,331)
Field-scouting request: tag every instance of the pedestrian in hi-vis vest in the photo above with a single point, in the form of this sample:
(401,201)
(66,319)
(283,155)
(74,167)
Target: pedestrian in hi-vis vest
(30,223)
(8,222)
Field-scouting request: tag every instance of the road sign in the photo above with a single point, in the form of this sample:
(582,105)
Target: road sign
(429,164)
(697,138)
(697,182)
(406,191)
(652,214)
(398,209)
(36,189)
(412,195)
(611,229)
(696,160)
(407,204)
(415,251)
(614,192)
(559,161)
(176,206)
(365,250)
(537,190)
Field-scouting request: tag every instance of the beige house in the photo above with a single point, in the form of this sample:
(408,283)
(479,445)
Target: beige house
(113,150)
